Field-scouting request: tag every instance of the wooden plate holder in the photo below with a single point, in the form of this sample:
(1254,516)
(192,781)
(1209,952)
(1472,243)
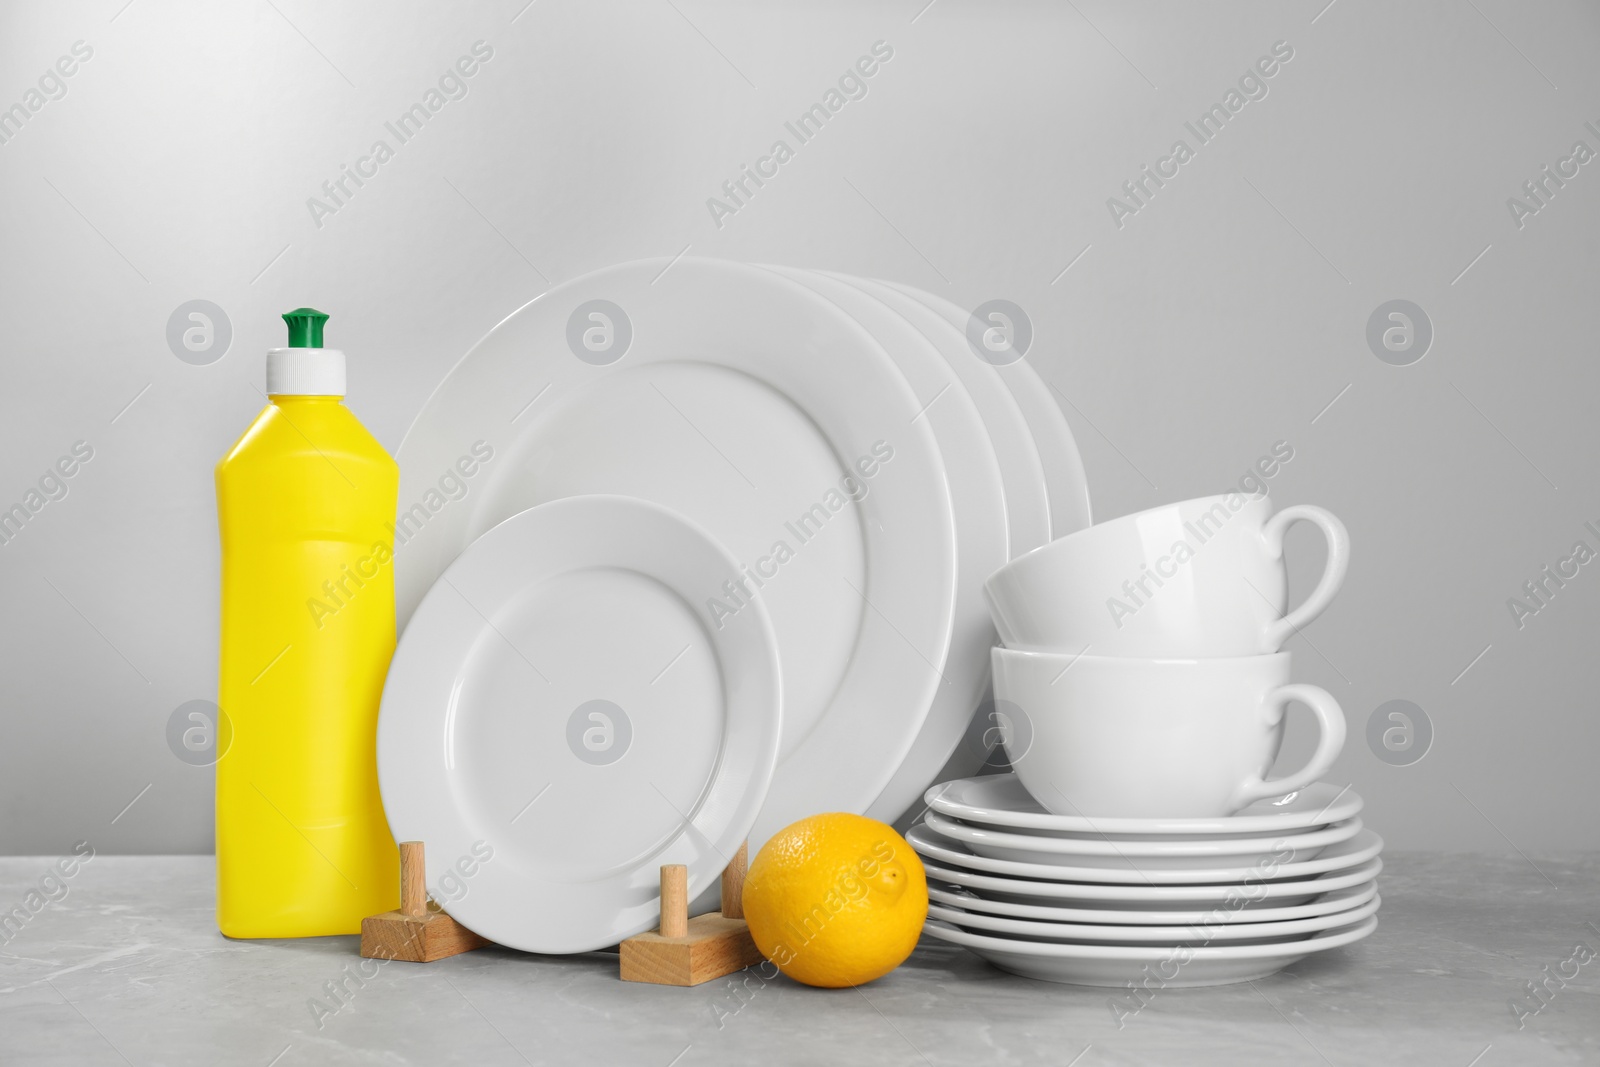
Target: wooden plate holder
(421,931)
(682,952)
(688,952)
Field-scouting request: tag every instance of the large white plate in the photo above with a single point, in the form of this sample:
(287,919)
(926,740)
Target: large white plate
(1022,469)
(1000,800)
(956,744)
(982,528)
(562,717)
(1200,933)
(1065,482)
(1118,965)
(1244,911)
(1147,854)
(745,402)
(1357,850)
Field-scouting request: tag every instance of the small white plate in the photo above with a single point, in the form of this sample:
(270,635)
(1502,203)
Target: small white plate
(1000,800)
(1277,866)
(1242,911)
(1220,931)
(1144,854)
(1291,893)
(1169,967)
(561,718)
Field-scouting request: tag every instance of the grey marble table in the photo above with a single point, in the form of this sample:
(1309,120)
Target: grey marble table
(127,968)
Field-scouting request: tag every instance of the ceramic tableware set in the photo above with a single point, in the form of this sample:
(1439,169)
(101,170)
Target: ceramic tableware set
(1141,695)
(688,550)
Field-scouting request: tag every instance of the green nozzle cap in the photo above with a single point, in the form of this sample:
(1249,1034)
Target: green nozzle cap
(305,327)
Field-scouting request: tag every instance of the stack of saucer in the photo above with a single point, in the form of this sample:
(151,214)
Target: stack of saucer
(1138,839)
(1181,902)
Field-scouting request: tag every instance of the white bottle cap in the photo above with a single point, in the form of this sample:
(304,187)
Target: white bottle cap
(305,372)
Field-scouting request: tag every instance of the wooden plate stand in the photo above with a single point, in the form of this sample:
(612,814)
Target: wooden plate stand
(421,931)
(688,952)
(682,952)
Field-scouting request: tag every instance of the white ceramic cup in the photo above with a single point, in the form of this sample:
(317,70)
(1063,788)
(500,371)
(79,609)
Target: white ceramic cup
(1204,577)
(1154,738)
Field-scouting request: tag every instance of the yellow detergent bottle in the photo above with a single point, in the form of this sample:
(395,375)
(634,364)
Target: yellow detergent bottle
(303,499)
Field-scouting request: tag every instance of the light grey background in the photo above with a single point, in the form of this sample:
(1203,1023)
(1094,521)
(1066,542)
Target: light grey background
(1226,315)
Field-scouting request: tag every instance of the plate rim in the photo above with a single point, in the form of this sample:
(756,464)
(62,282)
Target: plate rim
(1227,931)
(1003,405)
(1322,941)
(1142,917)
(914,344)
(937,798)
(1315,885)
(1330,859)
(1155,848)
(1071,507)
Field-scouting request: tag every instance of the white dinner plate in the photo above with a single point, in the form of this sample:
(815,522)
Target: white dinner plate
(982,528)
(761,412)
(1000,800)
(1243,911)
(1144,854)
(1040,403)
(955,746)
(1021,463)
(1200,933)
(561,717)
(1173,967)
(1279,865)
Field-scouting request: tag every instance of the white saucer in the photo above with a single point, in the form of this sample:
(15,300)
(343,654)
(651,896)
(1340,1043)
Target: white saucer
(1000,800)
(1357,850)
(1291,893)
(1220,931)
(759,411)
(1173,967)
(1145,853)
(561,718)
(1241,911)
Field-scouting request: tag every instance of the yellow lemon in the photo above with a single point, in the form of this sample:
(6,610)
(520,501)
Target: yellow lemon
(836,900)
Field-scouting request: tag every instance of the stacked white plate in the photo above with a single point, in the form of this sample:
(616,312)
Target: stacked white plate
(1163,902)
(859,464)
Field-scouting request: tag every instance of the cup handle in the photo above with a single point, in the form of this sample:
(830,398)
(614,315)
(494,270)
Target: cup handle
(1330,719)
(1278,631)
